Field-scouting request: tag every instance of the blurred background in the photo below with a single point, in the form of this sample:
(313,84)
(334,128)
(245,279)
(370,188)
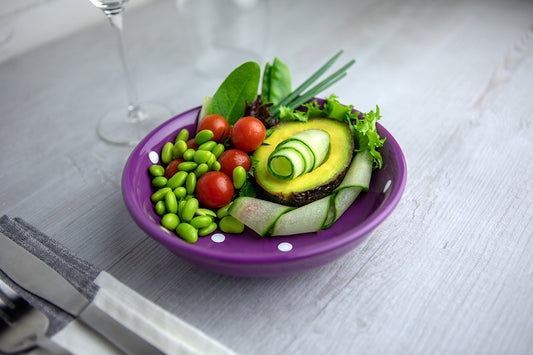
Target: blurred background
(449,272)
(27,24)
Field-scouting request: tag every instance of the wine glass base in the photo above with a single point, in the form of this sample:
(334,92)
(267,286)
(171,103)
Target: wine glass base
(117,127)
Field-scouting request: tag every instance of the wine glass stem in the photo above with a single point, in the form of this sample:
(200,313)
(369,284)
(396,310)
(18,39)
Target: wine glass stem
(133,108)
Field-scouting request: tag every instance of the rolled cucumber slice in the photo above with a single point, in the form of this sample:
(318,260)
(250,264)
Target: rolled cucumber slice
(318,141)
(299,154)
(287,163)
(304,150)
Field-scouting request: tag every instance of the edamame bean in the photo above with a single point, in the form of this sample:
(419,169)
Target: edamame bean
(211,160)
(202,232)
(171,203)
(190,183)
(189,210)
(239,176)
(177,180)
(189,154)
(205,212)
(215,166)
(201,170)
(159,181)
(156,170)
(170,220)
(218,150)
(201,221)
(179,148)
(167,153)
(209,145)
(187,232)
(230,224)
(223,211)
(202,156)
(160,208)
(203,136)
(183,135)
(187,166)
(181,205)
(160,194)
(180,192)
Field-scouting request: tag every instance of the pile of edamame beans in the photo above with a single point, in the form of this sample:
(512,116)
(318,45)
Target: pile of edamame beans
(174,198)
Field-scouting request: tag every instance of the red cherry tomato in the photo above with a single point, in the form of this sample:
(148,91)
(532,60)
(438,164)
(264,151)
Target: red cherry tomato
(191,143)
(172,167)
(217,124)
(248,133)
(232,158)
(214,189)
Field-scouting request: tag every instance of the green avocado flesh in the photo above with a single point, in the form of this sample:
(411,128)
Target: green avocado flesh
(313,185)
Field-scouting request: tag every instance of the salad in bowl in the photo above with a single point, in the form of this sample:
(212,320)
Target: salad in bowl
(264,180)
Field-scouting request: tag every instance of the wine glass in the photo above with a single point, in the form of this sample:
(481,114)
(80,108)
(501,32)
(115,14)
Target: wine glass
(223,34)
(127,126)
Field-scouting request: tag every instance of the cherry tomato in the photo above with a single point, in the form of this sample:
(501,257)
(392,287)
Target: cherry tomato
(217,124)
(172,167)
(232,158)
(191,143)
(214,189)
(248,133)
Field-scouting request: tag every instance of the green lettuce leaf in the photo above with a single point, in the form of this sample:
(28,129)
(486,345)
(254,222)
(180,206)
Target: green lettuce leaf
(287,114)
(364,130)
(367,136)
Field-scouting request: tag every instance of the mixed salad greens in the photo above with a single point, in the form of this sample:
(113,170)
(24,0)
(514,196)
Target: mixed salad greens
(260,154)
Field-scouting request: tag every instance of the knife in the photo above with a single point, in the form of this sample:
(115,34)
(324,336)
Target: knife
(37,277)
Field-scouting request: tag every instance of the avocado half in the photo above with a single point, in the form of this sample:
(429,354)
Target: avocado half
(316,184)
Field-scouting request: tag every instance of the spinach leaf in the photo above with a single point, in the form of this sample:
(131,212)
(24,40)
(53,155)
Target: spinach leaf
(239,87)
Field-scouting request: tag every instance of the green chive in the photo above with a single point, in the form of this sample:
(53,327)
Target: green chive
(306,83)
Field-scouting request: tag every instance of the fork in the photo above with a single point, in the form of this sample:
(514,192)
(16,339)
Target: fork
(22,326)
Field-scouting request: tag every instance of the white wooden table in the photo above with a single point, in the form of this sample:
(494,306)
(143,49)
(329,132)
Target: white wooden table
(449,272)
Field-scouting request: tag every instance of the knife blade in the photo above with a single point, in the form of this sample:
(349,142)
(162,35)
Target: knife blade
(37,277)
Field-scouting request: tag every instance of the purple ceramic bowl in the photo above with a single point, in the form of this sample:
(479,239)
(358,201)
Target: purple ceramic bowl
(248,254)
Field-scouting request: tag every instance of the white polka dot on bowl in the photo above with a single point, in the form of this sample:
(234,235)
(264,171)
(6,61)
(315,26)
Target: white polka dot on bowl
(154,157)
(218,237)
(285,246)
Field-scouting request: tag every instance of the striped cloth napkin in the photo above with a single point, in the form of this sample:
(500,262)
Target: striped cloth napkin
(162,329)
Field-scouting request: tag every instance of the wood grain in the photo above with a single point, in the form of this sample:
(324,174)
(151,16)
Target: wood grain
(449,272)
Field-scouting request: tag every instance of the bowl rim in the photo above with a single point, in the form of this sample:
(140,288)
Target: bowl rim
(192,251)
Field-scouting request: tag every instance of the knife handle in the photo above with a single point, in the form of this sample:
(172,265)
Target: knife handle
(115,332)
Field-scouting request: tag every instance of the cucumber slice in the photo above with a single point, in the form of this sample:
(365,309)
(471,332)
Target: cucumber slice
(273,219)
(287,163)
(306,152)
(306,219)
(299,154)
(258,215)
(318,141)
(359,173)
(356,180)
